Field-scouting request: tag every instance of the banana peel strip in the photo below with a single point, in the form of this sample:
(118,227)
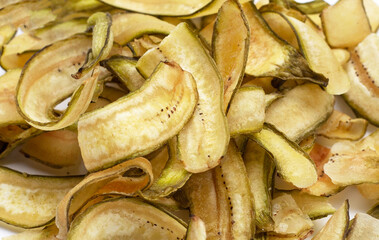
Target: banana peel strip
(102,42)
(128,26)
(114,180)
(154,113)
(32,199)
(374,211)
(230,44)
(316,6)
(46,80)
(259,170)
(125,70)
(172,177)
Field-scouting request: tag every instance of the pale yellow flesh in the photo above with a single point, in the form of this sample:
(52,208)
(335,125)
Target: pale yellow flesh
(300,111)
(231,38)
(212,8)
(196,229)
(363,226)
(236,181)
(342,55)
(369,190)
(341,126)
(337,225)
(362,96)
(372,9)
(16,14)
(292,163)
(314,206)
(47,233)
(47,80)
(368,51)
(208,201)
(8,109)
(15,53)
(138,123)
(247,111)
(342,31)
(56,148)
(204,138)
(158,7)
(266,53)
(281,27)
(324,185)
(320,57)
(207,32)
(5,3)
(125,218)
(288,217)
(30,201)
(127,26)
(6,34)
(111,180)
(361,158)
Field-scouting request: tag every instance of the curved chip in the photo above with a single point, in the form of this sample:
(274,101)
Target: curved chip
(270,56)
(160,7)
(292,163)
(128,26)
(138,123)
(203,141)
(30,201)
(102,42)
(22,47)
(131,218)
(8,109)
(116,180)
(55,148)
(46,80)
(230,46)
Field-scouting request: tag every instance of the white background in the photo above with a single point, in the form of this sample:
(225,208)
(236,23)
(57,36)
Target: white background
(357,203)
